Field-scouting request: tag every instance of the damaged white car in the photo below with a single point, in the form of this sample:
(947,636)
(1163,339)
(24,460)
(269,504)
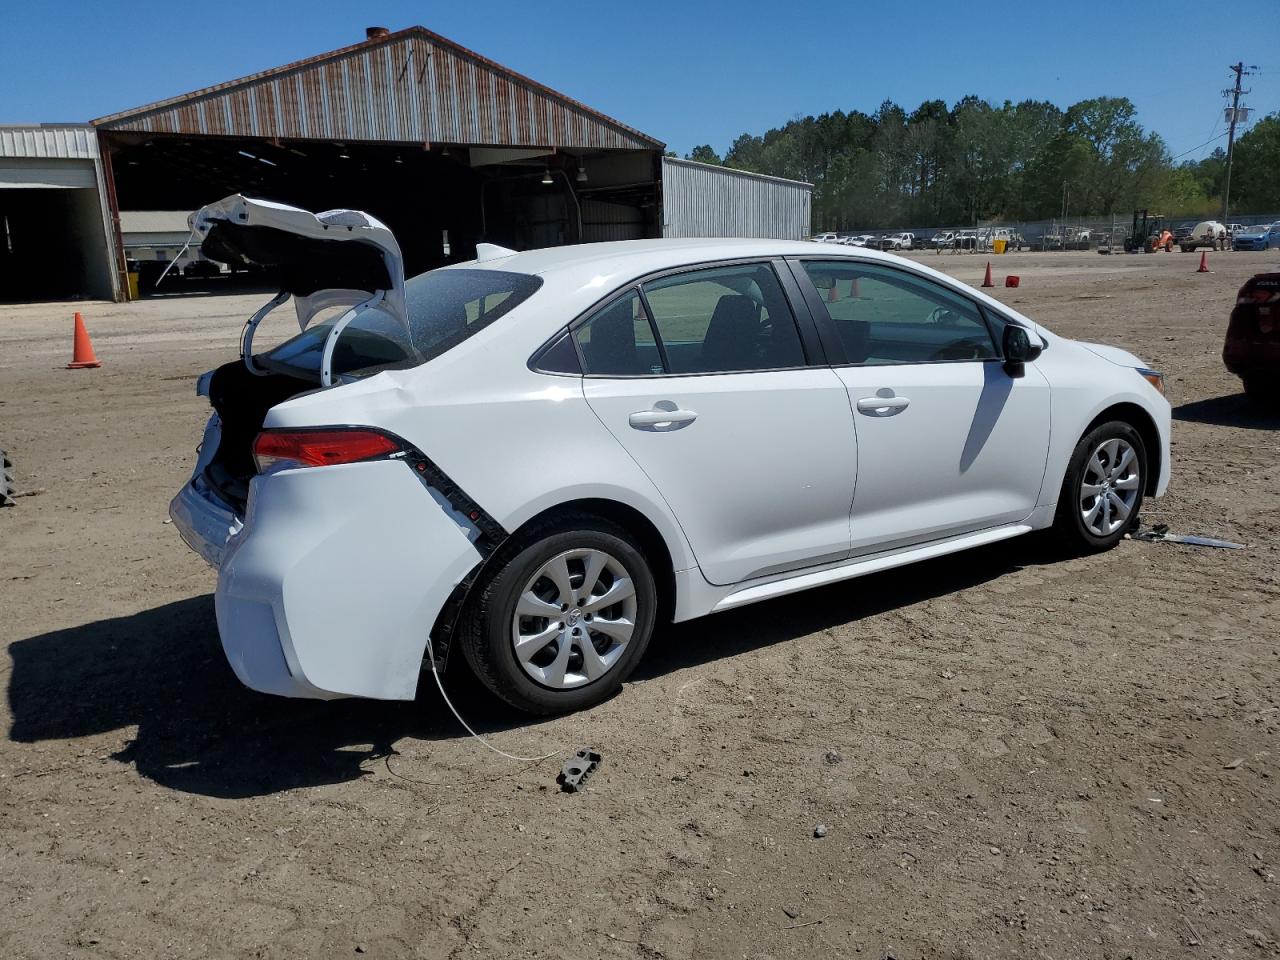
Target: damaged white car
(532,459)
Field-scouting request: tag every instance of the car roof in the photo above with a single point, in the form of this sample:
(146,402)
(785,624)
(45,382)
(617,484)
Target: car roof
(646,256)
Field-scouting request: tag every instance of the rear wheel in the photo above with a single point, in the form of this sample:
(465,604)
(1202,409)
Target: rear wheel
(1262,392)
(1102,492)
(564,618)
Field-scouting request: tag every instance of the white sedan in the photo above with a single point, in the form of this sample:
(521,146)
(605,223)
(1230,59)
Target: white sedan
(533,459)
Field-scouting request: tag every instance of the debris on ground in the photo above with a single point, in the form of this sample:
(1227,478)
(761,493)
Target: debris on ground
(577,769)
(820,831)
(1159,533)
(6,481)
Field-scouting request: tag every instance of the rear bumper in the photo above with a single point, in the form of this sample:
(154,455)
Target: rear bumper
(336,579)
(204,522)
(1250,358)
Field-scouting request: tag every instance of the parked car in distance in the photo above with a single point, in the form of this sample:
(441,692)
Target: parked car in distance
(528,462)
(943,239)
(1206,233)
(898,241)
(1263,237)
(826,238)
(1252,347)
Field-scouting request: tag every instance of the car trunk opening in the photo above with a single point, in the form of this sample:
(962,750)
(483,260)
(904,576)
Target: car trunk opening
(241,400)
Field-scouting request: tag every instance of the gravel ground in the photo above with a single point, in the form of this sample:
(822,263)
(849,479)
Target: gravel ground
(1012,754)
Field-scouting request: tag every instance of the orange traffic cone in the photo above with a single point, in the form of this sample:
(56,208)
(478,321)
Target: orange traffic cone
(1204,263)
(987,280)
(82,354)
(832,294)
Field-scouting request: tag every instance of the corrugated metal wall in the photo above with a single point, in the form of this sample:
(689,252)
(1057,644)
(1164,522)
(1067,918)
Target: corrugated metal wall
(700,200)
(46,141)
(610,221)
(410,87)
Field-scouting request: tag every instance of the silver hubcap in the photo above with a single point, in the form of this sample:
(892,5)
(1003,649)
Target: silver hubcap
(1109,487)
(574,619)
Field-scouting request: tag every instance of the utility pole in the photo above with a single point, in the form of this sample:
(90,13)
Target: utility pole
(1233,114)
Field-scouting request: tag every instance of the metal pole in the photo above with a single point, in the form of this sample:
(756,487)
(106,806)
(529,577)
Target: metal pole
(1238,70)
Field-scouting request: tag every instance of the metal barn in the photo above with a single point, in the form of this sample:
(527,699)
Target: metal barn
(702,200)
(446,146)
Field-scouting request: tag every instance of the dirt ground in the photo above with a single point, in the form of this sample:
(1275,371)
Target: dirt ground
(1014,755)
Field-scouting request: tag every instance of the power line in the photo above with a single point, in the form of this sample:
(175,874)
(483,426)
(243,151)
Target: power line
(1195,148)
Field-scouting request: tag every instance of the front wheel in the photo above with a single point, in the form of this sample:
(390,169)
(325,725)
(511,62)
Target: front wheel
(1102,492)
(563,618)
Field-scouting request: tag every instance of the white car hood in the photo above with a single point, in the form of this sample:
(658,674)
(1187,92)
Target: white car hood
(1121,358)
(331,259)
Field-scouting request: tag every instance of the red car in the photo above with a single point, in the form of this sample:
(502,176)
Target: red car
(1252,348)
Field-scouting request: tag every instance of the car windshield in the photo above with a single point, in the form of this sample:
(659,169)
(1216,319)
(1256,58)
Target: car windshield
(445,307)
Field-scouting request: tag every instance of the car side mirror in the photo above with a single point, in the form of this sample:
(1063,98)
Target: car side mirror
(1018,350)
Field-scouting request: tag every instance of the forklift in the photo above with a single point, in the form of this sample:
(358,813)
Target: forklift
(1149,234)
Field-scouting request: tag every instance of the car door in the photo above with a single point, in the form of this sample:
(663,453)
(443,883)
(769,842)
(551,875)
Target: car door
(704,377)
(948,441)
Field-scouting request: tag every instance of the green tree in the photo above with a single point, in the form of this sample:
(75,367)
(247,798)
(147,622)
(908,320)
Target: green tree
(704,154)
(1255,176)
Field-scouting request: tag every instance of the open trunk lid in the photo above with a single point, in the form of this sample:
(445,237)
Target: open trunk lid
(338,258)
(322,259)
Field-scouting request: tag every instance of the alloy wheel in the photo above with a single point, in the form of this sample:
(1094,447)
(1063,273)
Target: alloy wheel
(1109,487)
(574,618)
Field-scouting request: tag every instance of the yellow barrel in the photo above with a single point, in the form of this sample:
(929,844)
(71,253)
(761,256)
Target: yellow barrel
(999,245)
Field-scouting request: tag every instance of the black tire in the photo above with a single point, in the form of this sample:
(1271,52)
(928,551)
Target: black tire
(486,634)
(1262,393)
(1069,526)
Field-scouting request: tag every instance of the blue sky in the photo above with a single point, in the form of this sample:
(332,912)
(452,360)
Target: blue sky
(686,73)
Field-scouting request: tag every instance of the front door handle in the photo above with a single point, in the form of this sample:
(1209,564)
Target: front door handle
(882,406)
(660,420)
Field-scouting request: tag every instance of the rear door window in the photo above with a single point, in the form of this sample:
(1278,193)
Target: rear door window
(724,320)
(618,340)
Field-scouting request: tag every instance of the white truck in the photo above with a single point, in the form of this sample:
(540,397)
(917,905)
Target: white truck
(897,241)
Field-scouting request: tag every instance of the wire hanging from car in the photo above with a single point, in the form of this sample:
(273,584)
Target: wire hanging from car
(185,247)
(466,726)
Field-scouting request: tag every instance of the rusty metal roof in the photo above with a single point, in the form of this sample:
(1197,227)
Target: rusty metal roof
(410,86)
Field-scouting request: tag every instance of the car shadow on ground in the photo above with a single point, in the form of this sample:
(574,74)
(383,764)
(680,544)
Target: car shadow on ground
(200,731)
(1234,410)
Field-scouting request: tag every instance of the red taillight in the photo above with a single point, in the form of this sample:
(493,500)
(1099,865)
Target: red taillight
(285,449)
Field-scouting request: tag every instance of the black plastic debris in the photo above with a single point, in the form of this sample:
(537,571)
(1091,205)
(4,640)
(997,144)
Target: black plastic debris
(6,481)
(576,770)
(1160,534)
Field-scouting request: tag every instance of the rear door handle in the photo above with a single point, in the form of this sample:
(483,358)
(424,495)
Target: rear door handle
(660,420)
(883,406)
